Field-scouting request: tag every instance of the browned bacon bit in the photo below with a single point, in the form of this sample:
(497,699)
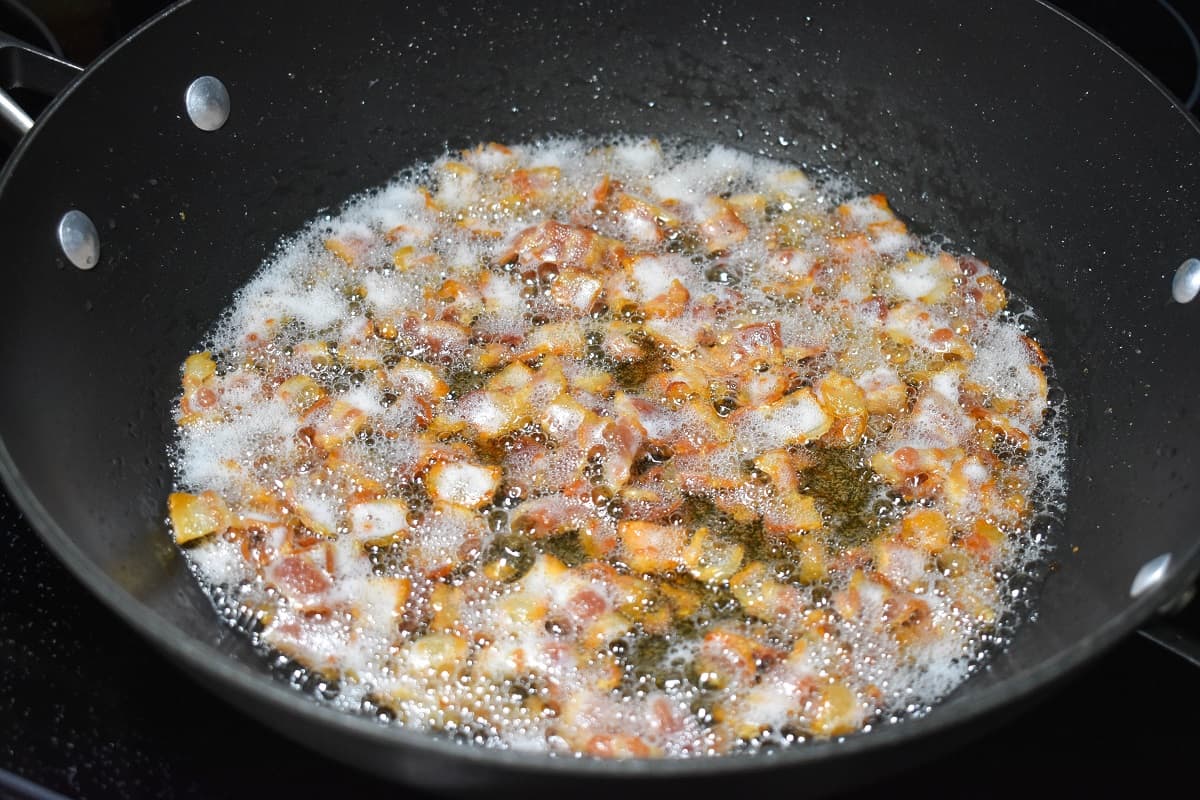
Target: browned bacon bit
(617,451)
(566,246)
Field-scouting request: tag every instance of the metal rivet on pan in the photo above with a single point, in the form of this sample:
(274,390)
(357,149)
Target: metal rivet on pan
(78,239)
(1152,573)
(1186,284)
(207,102)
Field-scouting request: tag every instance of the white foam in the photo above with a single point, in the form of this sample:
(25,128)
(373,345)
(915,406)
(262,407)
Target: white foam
(916,279)
(365,647)
(218,456)
(639,157)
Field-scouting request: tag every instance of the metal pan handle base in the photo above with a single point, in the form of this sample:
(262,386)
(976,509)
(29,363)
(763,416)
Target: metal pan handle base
(23,66)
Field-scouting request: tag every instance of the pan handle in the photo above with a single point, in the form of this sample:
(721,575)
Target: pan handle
(1176,626)
(1173,638)
(23,66)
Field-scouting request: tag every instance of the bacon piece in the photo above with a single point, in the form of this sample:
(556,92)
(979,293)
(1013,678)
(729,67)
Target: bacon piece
(196,516)
(489,157)
(555,338)
(781,467)
(567,246)
(791,513)
(301,393)
(619,344)
(458,186)
(926,529)
(926,279)
(652,499)
(576,292)
(200,390)
(698,429)
(349,248)
(414,377)
(447,536)
(622,440)
(916,473)
(883,390)
(797,418)
(441,339)
(532,184)
(501,295)
(762,388)
(730,660)
(911,324)
(435,654)
(344,421)
(380,604)
(462,484)
(763,597)
(984,542)
(683,333)
(299,577)
(651,548)
(376,520)
(642,221)
(756,343)
(318,644)
(500,407)
(903,566)
(557,513)
(460,301)
(721,227)
(564,417)
(843,399)
(660,287)
(710,559)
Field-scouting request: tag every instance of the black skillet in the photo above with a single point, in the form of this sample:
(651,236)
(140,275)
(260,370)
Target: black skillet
(1008,128)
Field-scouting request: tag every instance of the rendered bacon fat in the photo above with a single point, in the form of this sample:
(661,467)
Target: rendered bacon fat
(617,449)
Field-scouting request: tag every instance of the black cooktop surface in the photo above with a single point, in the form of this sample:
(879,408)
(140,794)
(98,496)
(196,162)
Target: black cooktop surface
(88,710)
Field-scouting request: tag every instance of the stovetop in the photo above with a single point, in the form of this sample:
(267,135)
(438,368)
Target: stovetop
(89,710)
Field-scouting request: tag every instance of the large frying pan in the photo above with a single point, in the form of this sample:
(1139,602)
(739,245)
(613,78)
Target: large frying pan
(1011,129)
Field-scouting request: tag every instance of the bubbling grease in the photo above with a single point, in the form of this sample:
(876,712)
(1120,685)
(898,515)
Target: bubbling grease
(620,448)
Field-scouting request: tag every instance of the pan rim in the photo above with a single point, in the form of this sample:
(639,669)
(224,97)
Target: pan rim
(199,656)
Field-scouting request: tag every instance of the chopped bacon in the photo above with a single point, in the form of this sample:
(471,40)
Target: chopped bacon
(728,659)
(462,484)
(647,547)
(916,473)
(196,516)
(721,227)
(378,519)
(757,343)
(406,429)
(344,420)
(781,467)
(567,246)
(532,184)
(442,339)
(299,577)
(764,597)
(416,377)
(659,281)
(555,338)
(576,292)
(348,248)
(643,221)
(555,514)
(447,535)
(618,343)
(796,418)
(883,390)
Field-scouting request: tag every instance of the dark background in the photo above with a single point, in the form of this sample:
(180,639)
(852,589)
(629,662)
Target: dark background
(88,710)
